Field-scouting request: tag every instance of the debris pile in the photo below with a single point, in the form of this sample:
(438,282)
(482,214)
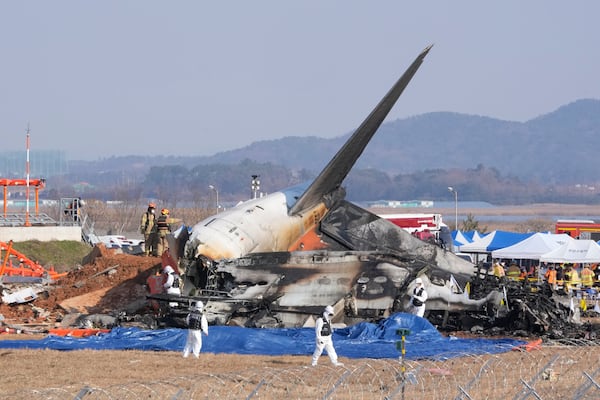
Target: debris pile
(107,282)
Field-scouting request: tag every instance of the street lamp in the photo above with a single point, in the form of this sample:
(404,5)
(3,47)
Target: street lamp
(255,184)
(216,196)
(451,189)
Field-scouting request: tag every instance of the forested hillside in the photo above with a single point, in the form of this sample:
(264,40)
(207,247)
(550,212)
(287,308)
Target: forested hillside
(553,157)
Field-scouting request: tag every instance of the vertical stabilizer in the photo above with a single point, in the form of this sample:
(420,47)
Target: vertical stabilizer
(338,168)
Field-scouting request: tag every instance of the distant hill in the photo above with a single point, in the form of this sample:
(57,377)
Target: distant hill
(485,158)
(559,147)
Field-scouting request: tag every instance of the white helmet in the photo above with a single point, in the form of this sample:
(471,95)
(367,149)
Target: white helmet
(198,306)
(418,281)
(328,310)
(168,269)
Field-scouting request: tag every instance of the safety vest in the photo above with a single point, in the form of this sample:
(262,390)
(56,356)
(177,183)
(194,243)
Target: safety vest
(551,276)
(587,277)
(498,270)
(513,272)
(326,329)
(416,302)
(195,320)
(162,223)
(575,277)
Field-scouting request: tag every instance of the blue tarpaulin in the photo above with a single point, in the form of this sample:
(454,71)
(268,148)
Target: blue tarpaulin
(363,340)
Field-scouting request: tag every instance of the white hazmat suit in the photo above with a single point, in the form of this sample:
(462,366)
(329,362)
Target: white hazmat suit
(197,325)
(418,298)
(171,284)
(323,332)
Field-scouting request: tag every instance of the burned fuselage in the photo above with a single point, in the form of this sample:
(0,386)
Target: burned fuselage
(365,268)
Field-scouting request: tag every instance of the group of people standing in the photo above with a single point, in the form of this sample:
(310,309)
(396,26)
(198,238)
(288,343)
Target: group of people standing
(155,230)
(565,275)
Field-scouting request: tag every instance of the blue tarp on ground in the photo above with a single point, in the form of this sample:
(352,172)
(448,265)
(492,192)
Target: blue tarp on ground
(363,340)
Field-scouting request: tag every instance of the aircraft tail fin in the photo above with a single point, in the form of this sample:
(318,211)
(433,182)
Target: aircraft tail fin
(338,168)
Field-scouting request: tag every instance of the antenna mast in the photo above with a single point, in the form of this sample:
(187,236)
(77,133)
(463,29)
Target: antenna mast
(27,223)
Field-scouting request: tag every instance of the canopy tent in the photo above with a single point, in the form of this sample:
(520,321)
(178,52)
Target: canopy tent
(460,239)
(533,247)
(574,251)
(494,241)
(471,236)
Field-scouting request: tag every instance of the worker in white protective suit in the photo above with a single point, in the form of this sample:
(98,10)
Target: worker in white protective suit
(197,325)
(418,298)
(323,332)
(172,283)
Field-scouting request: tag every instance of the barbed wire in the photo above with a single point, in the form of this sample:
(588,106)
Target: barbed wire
(557,371)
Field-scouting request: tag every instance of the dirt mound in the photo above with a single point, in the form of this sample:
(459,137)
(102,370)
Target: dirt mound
(107,281)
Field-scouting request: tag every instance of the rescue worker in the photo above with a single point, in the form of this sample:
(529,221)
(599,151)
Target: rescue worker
(513,272)
(418,298)
(587,277)
(575,281)
(197,325)
(499,270)
(560,276)
(550,276)
(162,230)
(323,332)
(73,209)
(172,283)
(147,229)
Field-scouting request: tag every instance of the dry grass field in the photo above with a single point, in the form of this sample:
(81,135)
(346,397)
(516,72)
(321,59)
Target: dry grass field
(551,373)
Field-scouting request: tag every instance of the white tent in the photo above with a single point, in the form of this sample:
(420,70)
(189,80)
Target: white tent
(533,247)
(574,251)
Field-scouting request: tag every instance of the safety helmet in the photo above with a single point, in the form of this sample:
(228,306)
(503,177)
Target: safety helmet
(168,269)
(151,205)
(419,281)
(328,310)
(164,211)
(199,306)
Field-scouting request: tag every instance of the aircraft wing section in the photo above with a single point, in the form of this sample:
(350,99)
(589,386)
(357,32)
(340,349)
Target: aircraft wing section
(338,168)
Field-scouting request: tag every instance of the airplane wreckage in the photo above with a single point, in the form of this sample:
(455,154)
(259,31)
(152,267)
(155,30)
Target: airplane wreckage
(278,260)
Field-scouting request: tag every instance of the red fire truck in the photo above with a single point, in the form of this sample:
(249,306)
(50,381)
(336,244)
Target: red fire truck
(579,228)
(428,227)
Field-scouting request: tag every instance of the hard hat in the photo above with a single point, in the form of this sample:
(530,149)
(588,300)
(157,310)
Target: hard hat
(329,310)
(164,211)
(419,281)
(168,269)
(199,306)
(151,205)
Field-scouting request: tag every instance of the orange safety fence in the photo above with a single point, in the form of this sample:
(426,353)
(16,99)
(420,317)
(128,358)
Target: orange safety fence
(25,266)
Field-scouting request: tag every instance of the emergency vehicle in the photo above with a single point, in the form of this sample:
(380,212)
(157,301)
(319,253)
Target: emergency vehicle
(427,227)
(579,229)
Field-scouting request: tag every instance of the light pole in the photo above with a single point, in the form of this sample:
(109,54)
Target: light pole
(216,196)
(255,184)
(451,189)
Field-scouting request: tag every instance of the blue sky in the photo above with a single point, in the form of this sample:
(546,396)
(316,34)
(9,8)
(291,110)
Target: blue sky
(101,78)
